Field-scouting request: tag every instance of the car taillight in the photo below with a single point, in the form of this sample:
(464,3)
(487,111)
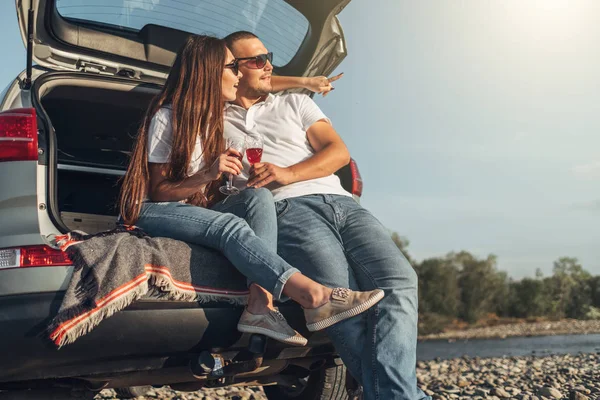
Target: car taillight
(32,256)
(357,183)
(18,135)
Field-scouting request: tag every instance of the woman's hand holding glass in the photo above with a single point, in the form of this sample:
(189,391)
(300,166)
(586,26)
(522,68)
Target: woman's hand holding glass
(231,162)
(228,162)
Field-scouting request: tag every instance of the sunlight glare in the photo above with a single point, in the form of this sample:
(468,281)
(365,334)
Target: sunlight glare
(550,19)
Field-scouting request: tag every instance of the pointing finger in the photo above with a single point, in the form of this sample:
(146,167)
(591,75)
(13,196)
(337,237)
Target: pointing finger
(335,78)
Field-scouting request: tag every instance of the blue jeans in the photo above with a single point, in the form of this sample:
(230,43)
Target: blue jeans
(254,256)
(336,242)
(256,207)
(258,210)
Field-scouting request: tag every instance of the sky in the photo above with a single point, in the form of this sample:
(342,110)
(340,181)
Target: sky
(475,124)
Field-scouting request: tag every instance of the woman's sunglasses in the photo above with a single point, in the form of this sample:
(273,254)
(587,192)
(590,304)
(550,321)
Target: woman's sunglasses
(257,62)
(235,67)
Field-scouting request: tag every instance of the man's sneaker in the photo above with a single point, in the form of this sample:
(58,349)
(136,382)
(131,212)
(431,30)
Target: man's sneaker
(272,325)
(344,303)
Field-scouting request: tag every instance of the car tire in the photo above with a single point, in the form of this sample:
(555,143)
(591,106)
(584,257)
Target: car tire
(327,383)
(132,392)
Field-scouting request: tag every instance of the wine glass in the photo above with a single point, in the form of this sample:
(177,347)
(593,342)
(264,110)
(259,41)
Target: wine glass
(254,148)
(236,144)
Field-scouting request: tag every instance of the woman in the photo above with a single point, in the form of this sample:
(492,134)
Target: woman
(172,180)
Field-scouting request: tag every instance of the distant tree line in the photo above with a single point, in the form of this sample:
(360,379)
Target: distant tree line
(464,287)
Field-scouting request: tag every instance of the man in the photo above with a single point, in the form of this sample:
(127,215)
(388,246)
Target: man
(322,230)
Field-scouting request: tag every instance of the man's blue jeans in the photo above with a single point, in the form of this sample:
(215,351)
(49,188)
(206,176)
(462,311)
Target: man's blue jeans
(336,242)
(218,228)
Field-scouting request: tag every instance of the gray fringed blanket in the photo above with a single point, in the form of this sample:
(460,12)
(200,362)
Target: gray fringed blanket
(113,269)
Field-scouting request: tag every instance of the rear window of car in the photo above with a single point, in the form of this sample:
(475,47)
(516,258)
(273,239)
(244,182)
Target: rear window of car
(280,26)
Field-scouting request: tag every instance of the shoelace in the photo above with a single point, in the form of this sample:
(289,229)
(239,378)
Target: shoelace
(278,315)
(342,293)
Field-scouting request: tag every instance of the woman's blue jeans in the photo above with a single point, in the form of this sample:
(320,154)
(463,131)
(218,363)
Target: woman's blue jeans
(251,246)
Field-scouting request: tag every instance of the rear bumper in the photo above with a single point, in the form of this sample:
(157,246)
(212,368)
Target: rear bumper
(149,335)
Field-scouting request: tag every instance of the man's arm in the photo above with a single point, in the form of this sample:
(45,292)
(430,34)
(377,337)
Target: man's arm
(317,84)
(330,155)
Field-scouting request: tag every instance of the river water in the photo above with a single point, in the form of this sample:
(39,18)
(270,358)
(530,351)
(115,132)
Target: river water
(512,346)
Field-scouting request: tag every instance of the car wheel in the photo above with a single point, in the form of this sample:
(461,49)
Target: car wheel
(132,392)
(327,383)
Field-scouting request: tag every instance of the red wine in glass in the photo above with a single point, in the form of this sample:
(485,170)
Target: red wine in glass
(254,155)
(254,148)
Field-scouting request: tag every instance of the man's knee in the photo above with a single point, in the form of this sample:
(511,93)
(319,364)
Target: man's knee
(410,279)
(400,274)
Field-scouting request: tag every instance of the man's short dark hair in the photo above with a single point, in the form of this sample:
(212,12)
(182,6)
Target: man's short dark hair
(239,35)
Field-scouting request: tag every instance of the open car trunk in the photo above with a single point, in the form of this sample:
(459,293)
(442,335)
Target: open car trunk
(95,113)
(95,121)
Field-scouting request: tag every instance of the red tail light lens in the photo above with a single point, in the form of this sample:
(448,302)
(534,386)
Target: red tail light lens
(42,256)
(18,135)
(32,256)
(357,183)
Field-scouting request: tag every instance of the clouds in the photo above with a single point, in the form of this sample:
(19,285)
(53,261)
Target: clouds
(588,171)
(593,205)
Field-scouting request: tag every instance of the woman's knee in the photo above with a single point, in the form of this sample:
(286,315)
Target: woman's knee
(261,201)
(261,195)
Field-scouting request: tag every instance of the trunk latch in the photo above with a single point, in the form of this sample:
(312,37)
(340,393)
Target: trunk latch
(87,66)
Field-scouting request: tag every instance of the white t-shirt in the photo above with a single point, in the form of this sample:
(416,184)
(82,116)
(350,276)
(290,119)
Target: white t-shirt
(283,122)
(160,141)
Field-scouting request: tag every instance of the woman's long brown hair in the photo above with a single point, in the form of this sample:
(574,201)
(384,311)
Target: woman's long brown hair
(194,91)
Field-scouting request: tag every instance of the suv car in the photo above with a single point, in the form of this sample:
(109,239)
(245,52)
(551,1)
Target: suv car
(66,127)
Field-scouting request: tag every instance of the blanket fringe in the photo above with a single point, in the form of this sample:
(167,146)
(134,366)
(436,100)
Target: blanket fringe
(161,287)
(61,331)
(76,322)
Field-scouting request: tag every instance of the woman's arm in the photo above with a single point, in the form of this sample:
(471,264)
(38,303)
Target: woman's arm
(317,84)
(162,189)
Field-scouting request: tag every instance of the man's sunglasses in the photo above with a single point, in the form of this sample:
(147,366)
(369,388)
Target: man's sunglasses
(257,62)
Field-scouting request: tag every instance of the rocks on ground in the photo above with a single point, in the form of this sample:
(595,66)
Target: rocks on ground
(571,377)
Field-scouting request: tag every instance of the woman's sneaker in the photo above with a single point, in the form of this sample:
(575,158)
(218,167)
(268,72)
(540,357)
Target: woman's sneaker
(343,304)
(273,325)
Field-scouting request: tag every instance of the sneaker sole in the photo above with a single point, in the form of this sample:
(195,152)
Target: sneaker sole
(296,341)
(359,309)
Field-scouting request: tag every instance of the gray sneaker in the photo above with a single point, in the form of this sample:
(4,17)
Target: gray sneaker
(272,325)
(344,304)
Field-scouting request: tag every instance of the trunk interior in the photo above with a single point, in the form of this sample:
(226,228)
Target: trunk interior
(95,121)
